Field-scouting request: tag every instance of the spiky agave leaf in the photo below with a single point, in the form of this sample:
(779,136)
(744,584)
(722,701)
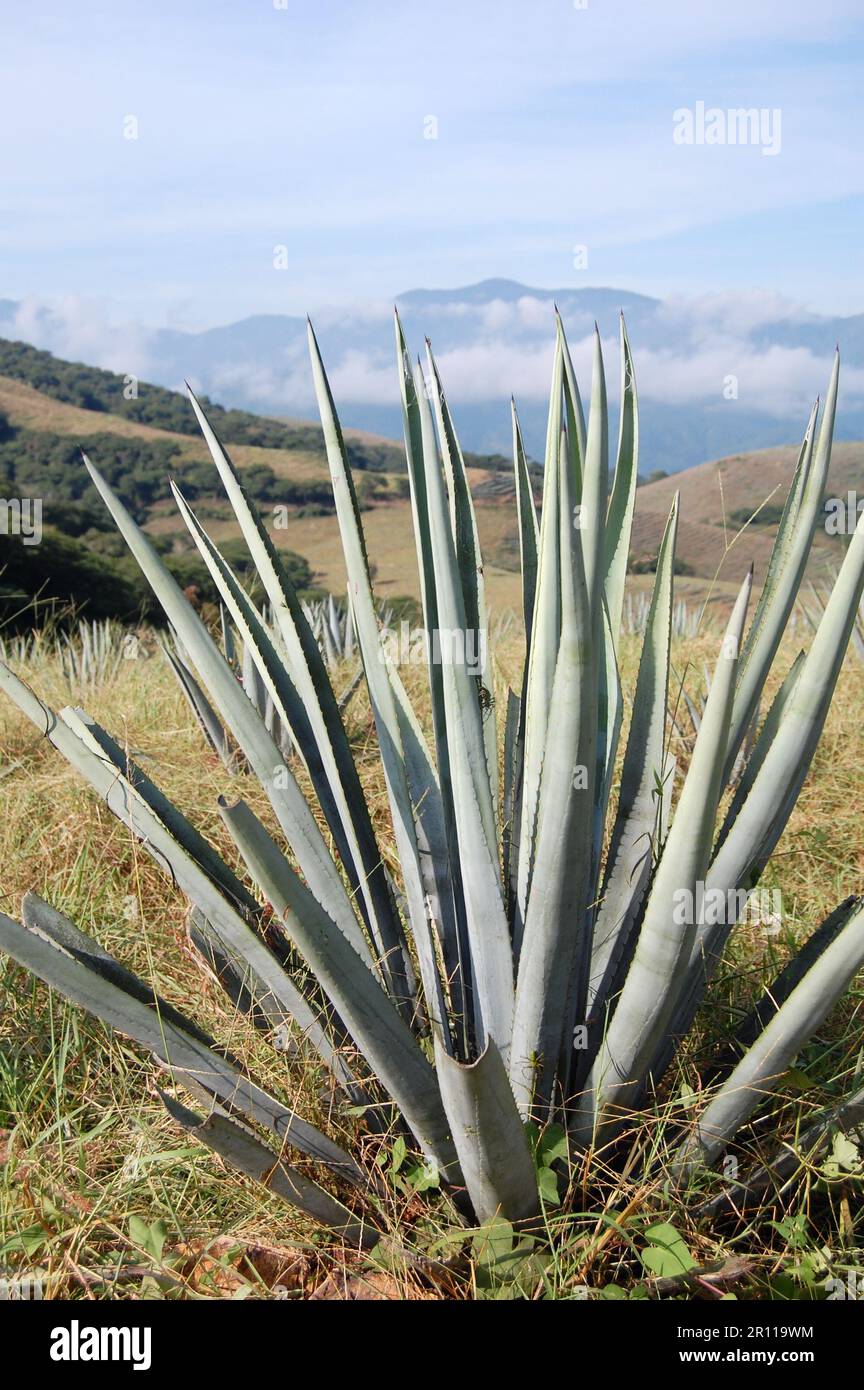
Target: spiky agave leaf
(788,559)
(653,982)
(326,746)
(635,837)
(553,959)
(792,1024)
(53,948)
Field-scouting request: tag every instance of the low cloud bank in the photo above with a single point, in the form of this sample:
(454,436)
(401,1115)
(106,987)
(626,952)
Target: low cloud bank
(699,349)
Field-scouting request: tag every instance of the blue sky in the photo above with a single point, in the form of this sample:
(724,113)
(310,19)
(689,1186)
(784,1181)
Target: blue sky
(303,126)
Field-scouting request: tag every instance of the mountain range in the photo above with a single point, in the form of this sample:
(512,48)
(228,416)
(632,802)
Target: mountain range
(716,375)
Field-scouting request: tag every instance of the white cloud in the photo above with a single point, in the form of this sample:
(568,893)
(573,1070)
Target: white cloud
(500,348)
(81,330)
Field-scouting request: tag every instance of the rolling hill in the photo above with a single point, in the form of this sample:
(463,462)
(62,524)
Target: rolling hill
(733,489)
(291,474)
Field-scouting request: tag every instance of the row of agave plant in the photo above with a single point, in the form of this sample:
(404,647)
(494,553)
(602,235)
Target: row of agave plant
(332,628)
(91,654)
(686,621)
(451,1000)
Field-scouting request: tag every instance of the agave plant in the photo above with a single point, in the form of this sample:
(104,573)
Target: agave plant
(515,973)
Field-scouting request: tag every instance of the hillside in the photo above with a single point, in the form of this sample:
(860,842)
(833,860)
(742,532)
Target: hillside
(733,488)
(81,559)
(51,409)
(41,436)
(110,394)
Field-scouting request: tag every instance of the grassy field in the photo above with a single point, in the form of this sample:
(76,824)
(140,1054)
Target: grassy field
(104,1197)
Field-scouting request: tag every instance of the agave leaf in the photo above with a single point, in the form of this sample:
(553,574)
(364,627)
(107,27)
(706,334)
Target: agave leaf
(470,564)
(609,716)
(228,649)
(380,679)
(634,847)
(791,1026)
(451,923)
(462,519)
(654,982)
(279,687)
(241,1148)
(174,845)
(202,709)
(40,917)
(179,850)
(768,804)
(263,1008)
(595,490)
(289,805)
(253,685)
(619,517)
(845,1117)
(414,398)
(512,772)
(194,866)
(327,743)
(529,531)
(589,518)
(788,561)
(327,1032)
(711,939)
(514,740)
(543,654)
(776,994)
(473,808)
(778,559)
(490,1138)
(236,978)
(82,977)
(553,962)
(574,418)
(370,1017)
(436,873)
(108,751)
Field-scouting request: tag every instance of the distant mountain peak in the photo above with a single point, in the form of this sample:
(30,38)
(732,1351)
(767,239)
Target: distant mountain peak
(485,291)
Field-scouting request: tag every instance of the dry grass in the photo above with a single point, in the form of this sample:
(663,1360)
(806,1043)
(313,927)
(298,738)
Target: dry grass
(88,1152)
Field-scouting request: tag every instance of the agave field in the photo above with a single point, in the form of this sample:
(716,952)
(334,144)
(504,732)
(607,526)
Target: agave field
(448,973)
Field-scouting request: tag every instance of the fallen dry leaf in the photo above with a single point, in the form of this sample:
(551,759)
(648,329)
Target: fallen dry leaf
(377,1286)
(270,1265)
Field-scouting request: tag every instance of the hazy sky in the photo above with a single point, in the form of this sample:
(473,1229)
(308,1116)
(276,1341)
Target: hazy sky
(261,125)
